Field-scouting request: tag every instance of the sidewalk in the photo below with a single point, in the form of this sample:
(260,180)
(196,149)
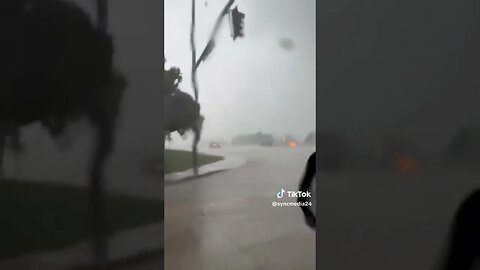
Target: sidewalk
(228,163)
(122,246)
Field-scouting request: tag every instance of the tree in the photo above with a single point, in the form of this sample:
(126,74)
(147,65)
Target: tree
(332,151)
(172,79)
(182,112)
(465,144)
(57,67)
(310,139)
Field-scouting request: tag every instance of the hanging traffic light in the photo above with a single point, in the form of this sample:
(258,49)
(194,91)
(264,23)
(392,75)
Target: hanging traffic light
(237,23)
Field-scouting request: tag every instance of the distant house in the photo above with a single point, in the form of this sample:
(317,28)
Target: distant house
(254,139)
(364,146)
(361,141)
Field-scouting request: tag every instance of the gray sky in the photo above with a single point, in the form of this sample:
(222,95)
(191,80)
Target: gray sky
(135,27)
(251,84)
(412,65)
(384,63)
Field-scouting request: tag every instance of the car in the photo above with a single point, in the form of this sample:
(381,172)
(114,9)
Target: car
(215,145)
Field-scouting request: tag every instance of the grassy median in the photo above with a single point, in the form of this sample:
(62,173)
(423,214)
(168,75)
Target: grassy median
(178,160)
(40,217)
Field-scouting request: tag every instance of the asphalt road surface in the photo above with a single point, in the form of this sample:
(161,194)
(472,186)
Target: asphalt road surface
(227,221)
(378,220)
(366,220)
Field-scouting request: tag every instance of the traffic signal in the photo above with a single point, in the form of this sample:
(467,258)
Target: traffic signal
(237,23)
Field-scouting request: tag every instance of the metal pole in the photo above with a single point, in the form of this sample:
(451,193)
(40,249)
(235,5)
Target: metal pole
(195,88)
(196,63)
(96,187)
(102,14)
(194,53)
(211,42)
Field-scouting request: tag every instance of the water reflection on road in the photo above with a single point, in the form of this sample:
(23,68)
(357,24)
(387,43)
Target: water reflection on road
(226,220)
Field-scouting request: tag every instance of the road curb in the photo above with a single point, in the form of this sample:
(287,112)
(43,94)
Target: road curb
(227,163)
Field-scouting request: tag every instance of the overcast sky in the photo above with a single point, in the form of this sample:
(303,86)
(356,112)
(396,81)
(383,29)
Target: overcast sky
(412,65)
(252,84)
(383,63)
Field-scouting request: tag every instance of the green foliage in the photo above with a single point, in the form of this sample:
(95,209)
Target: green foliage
(177,160)
(182,113)
(173,77)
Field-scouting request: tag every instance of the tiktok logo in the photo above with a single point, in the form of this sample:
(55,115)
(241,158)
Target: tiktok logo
(294,194)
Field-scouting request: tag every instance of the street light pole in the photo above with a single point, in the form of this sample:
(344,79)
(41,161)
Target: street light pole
(211,43)
(102,14)
(194,53)
(195,63)
(96,188)
(196,130)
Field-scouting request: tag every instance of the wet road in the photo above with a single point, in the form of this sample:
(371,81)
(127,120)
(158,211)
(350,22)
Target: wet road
(226,220)
(378,220)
